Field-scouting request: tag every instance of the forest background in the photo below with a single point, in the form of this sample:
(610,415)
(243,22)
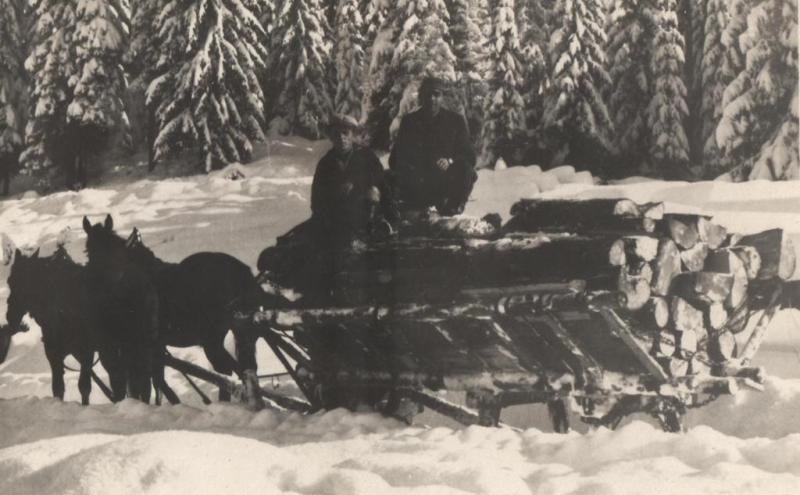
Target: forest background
(678,89)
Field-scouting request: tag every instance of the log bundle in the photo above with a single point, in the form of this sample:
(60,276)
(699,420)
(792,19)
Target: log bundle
(688,282)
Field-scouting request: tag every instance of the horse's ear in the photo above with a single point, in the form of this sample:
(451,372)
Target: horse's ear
(109,223)
(87,225)
(17,254)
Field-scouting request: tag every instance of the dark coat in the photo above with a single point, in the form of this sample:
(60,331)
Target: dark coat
(421,141)
(337,209)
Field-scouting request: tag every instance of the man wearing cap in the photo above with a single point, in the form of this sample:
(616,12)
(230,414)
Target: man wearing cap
(432,161)
(349,194)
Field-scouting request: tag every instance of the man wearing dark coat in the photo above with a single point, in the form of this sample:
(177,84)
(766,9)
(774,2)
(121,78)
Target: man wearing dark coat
(349,195)
(432,161)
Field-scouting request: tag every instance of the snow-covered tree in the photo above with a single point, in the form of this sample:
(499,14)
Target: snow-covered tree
(412,43)
(373,13)
(631,30)
(667,110)
(301,61)
(575,110)
(714,81)
(13,89)
(469,49)
(533,34)
(50,65)
(350,58)
(504,112)
(98,84)
(141,62)
(207,93)
(756,127)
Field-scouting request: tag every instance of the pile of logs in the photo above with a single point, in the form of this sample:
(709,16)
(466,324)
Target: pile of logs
(686,279)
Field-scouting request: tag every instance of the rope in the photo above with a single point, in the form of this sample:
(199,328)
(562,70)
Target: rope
(77,371)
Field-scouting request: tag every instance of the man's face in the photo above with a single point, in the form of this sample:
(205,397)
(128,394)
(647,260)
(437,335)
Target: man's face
(434,100)
(345,139)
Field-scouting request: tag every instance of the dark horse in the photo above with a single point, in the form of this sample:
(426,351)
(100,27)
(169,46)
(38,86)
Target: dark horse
(200,299)
(55,292)
(126,299)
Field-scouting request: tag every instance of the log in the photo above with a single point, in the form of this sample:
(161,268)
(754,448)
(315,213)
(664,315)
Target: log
(778,258)
(683,230)
(634,282)
(685,317)
(678,367)
(640,248)
(653,211)
(616,255)
(722,347)
(585,216)
(666,265)
(694,259)
(726,261)
(716,316)
(702,287)
(750,258)
(711,234)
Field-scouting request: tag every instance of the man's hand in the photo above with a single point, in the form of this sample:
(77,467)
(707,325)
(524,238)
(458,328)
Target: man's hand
(444,163)
(346,188)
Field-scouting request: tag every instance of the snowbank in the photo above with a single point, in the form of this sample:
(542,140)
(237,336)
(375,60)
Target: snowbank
(50,447)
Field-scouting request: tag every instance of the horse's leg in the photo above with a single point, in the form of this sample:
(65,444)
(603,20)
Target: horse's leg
(223,363)
(56,373)
(117,374)
(159,382)
(248,368)
(85,377)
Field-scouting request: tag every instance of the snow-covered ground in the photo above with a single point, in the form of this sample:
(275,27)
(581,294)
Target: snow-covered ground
(743,444)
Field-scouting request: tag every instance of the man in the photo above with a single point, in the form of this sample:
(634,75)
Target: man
(432,161)
(349,196)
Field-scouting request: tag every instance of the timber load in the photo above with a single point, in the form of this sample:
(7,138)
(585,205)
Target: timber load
(617,306)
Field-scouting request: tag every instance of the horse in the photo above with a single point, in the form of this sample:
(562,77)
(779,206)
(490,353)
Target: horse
(203,297)
(126,299)
(54,290)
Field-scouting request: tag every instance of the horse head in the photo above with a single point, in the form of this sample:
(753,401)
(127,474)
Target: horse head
(103,245)
(25,285)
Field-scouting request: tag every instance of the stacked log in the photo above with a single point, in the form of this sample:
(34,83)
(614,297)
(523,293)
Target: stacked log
(687,280)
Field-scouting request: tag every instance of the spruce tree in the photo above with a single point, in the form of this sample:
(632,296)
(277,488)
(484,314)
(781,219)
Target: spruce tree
(469,49)
(667,110)
(504,112)
(206,93)
(533,35)
(301,62)
(714,82)
(97,107)
(631,30)
(141,60)
(575,111)
(13,90)
(51,64)
(756,128)
(350,58)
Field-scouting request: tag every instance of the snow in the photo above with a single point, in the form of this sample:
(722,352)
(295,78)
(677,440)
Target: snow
(747,444)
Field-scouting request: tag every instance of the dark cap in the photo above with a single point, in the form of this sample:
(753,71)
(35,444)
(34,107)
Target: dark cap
(431,84)
(341,122)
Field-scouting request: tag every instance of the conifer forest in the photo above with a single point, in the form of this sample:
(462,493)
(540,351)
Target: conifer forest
(677,89)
